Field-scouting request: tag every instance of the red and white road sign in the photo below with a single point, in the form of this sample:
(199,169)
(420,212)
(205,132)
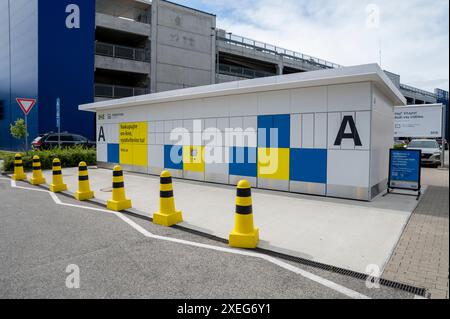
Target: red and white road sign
(26,104)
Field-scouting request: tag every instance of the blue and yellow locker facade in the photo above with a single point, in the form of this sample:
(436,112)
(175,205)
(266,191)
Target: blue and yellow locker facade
(331,140)
(287,152)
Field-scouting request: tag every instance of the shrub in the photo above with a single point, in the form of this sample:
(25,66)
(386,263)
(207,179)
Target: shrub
(69,157)
(19,130)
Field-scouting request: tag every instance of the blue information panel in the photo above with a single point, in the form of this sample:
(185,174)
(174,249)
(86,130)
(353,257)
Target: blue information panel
(404,169)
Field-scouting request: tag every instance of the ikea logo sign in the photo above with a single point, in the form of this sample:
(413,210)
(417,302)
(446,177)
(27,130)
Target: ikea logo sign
(73,17)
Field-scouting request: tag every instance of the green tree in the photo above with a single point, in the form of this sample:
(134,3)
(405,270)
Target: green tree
(19,130)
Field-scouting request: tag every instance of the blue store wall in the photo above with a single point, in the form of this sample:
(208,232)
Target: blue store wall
(18,65)
(66,66)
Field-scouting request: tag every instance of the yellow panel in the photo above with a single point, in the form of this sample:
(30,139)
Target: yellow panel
(126,154)
(273,163)
(133,133)
(194,158)
(133,143)
(140,155)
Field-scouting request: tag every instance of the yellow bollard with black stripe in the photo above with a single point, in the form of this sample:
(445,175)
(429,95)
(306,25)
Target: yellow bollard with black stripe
(84,190)
(37,177)
(57,181)
(19,174)
(244,234)
(119,201)
(167,215)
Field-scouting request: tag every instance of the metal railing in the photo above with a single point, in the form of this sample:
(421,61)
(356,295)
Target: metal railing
(122,52)
(118,91)
(274,50)
(419,91)
(242,72)
(134,14)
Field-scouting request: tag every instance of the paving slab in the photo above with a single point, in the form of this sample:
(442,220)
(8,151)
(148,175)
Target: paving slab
(421,257)
(338,232)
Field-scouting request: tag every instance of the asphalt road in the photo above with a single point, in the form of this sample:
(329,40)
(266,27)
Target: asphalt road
(39,239)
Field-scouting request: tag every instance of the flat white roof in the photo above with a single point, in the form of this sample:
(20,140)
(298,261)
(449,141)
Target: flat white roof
(345,75)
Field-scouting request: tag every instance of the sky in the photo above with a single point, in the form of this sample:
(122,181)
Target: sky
(412,35)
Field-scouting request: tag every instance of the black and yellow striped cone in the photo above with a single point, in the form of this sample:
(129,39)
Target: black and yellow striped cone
(37,177)
(57,178)
(84,190)
(167,215)
(119,201)
(244,234)
(19,174)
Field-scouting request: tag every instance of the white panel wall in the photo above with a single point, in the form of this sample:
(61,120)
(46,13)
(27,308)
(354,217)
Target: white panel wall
(248,138)
(309,100)
(102,152)
(363,125)
(243,105)
(216,107)
(348,144)
(320,130)
(348,168)
(349,97)
(216,171)
(307,131)
(334,124)
(278,102)
(155,159)
(296,131)
(382,137)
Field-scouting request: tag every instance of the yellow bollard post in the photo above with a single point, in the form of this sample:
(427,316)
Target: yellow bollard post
(57,182)
(19,174)
(244,234)
(167,215)
(37,178)
(84,190)
(119,201)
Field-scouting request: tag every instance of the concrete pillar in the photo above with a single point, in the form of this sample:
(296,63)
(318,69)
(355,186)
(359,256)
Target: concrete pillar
(154,45)
(280,68)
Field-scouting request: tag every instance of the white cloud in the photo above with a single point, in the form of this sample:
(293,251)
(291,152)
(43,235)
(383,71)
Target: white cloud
(413,33)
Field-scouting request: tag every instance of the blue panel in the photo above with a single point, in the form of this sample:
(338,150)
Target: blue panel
(18,66)
(274,131)
(243,161)
(173,157)
(113,153)
(283,124)
(309,165)
(265,123)
(66,66)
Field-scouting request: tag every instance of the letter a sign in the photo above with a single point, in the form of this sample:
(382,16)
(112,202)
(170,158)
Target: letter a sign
(26,104)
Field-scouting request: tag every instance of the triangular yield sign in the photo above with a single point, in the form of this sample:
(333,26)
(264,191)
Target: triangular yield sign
(26,104)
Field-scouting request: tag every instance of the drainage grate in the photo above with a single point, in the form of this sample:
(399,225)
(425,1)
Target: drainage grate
(342,271)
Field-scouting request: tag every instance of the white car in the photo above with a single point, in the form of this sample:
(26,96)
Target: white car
(431,151)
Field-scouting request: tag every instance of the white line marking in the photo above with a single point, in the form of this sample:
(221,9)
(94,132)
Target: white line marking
(324,282)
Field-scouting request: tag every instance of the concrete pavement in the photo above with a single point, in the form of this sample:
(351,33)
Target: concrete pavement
(342,233)
(39,238)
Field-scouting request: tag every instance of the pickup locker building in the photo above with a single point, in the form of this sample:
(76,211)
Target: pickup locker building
(324,132)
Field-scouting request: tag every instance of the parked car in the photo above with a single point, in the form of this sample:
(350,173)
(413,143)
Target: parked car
(50,140)
(431,151)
